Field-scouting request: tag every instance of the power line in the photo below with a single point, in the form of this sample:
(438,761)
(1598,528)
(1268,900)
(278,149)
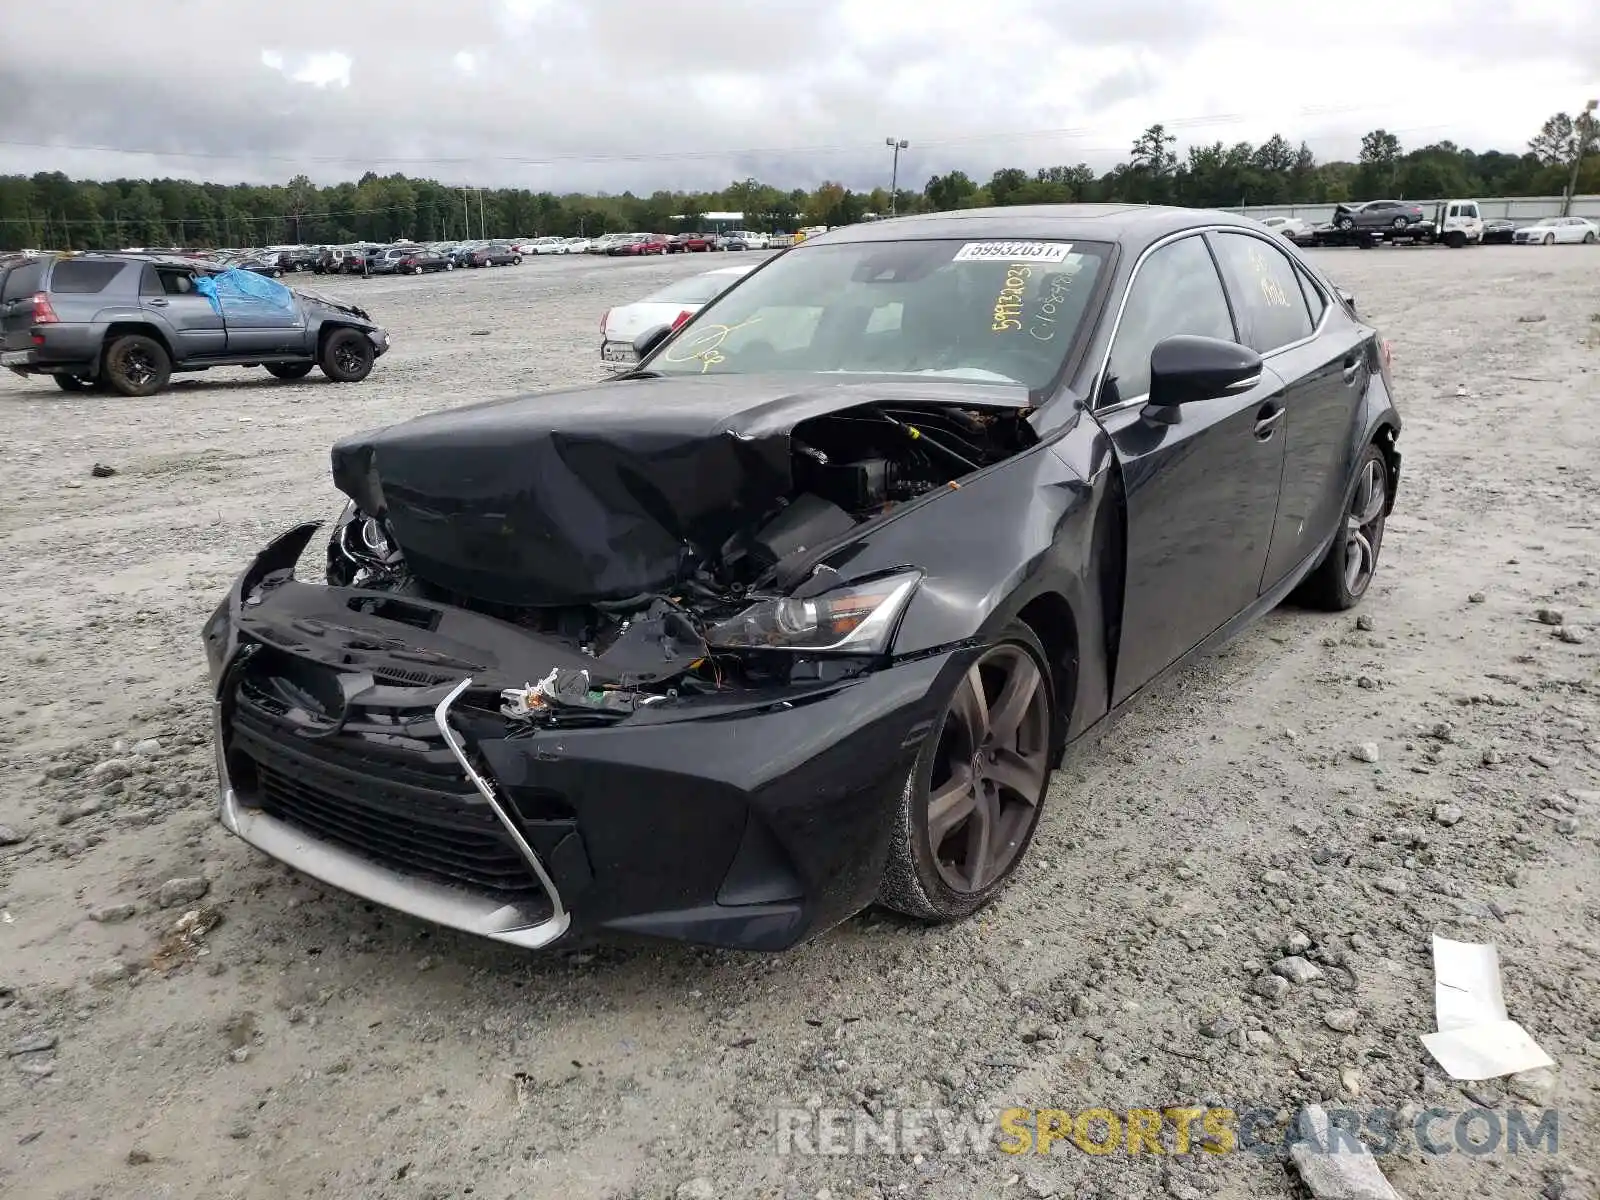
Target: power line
(1069,133)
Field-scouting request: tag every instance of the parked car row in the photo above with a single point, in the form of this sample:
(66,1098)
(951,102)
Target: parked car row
(1452,222)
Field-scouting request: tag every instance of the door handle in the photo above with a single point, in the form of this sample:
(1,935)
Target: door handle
(1267,418)
(158,303)
(1352,368)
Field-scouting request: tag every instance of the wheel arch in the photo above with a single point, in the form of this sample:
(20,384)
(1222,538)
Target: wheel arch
(328,328)
(119,329)
(1051,618)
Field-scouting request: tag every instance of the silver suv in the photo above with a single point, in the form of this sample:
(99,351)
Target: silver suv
(127,322)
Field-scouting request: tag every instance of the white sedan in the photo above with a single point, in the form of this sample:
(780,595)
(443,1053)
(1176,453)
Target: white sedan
(672,305)
(1292,228)
(1550,230)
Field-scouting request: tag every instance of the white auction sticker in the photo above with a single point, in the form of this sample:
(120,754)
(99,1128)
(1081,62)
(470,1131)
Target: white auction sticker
(1052,252)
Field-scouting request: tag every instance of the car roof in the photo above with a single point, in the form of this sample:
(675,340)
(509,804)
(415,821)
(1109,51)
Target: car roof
(1135,225)
(160,260)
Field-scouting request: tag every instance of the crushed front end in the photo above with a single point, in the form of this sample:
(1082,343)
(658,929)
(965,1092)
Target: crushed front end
(496,740)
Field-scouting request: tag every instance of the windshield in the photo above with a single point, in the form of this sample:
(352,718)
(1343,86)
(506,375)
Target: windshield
(998,311)
(697,289)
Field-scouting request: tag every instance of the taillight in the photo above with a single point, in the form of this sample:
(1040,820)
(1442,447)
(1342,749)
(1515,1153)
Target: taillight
(681,318)
(1388,354)
(43,314)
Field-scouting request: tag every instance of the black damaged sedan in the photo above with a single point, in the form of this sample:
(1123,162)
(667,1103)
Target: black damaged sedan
(801,613)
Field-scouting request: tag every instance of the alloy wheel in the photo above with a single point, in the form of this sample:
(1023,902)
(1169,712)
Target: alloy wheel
(347,357)
(137,368)
(1363,528)
(990,768)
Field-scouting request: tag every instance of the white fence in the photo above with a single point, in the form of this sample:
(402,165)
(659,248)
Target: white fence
(1525,209)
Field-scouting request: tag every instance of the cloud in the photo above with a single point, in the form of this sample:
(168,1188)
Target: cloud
(635,95)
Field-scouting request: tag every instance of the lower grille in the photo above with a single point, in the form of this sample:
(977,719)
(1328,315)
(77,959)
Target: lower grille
(389,816)
(483,860)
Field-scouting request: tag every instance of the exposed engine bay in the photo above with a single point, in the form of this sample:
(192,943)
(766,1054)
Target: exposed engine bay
(738,604)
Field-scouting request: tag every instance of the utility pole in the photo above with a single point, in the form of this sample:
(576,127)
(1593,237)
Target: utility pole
(483,230)
(894,175)
(1577,154)
(466,218)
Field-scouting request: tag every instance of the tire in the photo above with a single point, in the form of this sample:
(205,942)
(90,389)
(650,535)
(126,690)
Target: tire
(1455,241)
(918,880)
(1346,223)
(1589,239)
(1549,239)
(288,370)
(517,262)
(1399,223)
(347,356)
(73,383)
(1336,584)
(136,365)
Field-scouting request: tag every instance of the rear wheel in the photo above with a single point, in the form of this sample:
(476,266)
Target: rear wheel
(1399,223)
(973,799)
(1345,223)
(1345,573)
(288,370)
(347,356)
(136,366)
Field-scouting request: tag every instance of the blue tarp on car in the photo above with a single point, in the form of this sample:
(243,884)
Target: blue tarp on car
(237,289)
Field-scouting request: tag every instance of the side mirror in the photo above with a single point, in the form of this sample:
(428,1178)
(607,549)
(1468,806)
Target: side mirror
(650,339)
(1186,368)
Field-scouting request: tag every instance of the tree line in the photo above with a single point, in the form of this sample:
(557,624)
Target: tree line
(49,210)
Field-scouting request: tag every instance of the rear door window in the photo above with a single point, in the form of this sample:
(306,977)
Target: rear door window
(83,276)
(1266,291)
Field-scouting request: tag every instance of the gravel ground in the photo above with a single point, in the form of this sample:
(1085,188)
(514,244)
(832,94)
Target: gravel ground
(1340,787)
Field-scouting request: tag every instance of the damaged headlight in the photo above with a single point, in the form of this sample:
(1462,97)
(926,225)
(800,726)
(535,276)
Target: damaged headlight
(859,619)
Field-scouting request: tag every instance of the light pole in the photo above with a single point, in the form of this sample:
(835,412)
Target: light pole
(894,176)
(1577,154)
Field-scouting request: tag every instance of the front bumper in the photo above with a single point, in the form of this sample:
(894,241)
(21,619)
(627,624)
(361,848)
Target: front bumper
(752,822)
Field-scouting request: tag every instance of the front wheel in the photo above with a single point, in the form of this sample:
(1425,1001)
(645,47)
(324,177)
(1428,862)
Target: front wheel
(288,370)
(517,262)
(1346,571)
(1589,238)
(1345,223)
(136,365)
(973,799)
(347,356)
(1549,239)
(1399,223)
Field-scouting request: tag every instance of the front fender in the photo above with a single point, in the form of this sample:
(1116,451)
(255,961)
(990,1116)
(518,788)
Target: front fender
(1379,422)
(1018,539)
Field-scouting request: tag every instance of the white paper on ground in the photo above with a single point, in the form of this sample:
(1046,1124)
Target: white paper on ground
(1486,1051)
(1475,1038)
(1466,985)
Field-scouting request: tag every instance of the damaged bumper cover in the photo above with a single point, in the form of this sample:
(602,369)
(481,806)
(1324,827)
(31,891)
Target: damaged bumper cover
(369,751)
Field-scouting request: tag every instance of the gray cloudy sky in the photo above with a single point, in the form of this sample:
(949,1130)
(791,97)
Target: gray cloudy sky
(641,94)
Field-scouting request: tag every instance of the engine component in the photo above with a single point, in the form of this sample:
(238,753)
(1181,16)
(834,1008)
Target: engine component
(807,522)
(856,487)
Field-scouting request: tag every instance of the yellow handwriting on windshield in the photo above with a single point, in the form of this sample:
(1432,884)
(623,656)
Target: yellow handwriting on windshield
(705,345)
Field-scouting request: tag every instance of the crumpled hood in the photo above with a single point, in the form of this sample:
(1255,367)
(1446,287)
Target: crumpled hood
(599,492)
(311,297)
